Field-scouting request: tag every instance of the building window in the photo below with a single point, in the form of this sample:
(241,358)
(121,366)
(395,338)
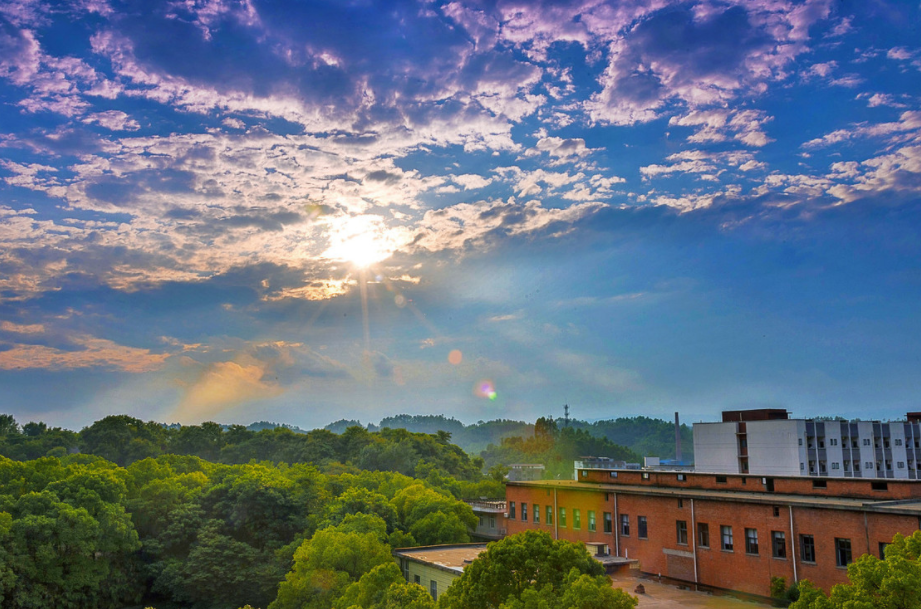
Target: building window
(882,549)
(576,519)
(645,475)
(624,524)
(866,441)
(681,529)
(721,479)
(641,527)
(807,545)
(800,441)
(776,511)
(703,534)
(511,509)
(549,515)
(898,441)
(751,541)
(680,503)
(591,521)
(482,521)
(682,477)
(834,465)
(802,466)
(833,441)
(562,517)
(778,544)
(608,528)
(842,552)
(433,588)
(524,512)
(492,522)
(901,464)
(613,474)
(819,484)
(583,473)
(536,513)
(417,580)
(726,536)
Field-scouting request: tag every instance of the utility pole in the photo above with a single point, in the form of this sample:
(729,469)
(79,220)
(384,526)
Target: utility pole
(565,415)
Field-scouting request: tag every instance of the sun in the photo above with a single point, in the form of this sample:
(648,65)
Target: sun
(360,240)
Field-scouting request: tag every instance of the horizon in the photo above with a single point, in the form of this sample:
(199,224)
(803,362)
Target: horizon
(243,210)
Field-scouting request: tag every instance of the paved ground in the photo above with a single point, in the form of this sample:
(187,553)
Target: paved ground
(665,596)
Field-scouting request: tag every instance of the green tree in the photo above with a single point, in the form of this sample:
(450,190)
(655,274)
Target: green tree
(891,583)
(325,565)
(432,517)
(530,561)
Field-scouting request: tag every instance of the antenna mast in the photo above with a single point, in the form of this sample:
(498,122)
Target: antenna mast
(566,415)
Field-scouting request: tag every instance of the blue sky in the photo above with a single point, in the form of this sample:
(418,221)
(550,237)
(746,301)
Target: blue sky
(307,211)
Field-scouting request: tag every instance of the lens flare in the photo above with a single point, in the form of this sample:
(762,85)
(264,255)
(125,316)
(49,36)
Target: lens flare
(485,389)
(455,357)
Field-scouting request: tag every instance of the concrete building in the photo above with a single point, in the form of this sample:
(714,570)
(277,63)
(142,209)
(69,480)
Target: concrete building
(730,531)
(490,519)
(436,567)
(767,442)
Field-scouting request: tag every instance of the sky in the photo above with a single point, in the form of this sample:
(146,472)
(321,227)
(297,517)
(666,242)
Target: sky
(244,210)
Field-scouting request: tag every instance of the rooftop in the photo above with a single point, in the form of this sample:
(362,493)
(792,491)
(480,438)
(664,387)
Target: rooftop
(912,506)
(451,557)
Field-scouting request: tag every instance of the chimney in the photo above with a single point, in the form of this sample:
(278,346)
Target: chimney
(677,439)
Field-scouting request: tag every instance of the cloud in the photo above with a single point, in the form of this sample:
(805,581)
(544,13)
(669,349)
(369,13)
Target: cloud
(907,128)
(90,352)
(114,120)
(8,326)
(467,226)
(701,58)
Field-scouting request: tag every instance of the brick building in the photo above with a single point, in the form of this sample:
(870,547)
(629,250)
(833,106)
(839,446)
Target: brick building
(730,531)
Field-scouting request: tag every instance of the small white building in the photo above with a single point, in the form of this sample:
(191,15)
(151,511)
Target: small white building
(767,442)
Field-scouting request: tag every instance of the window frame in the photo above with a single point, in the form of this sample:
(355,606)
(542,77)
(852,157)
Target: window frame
(807,548)
(726,534)
(624,525)
(751,541)
(642,528)
(843,552)
(779,544)
(681,532)
(703,534)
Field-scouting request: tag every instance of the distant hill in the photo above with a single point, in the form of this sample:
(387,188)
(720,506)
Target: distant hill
(643,436)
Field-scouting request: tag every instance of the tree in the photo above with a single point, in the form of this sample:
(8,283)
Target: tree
(325,565)
(892,583)
(432,517)
(512,571)
(8,425)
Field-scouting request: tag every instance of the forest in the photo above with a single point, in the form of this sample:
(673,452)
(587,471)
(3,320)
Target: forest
(126,511)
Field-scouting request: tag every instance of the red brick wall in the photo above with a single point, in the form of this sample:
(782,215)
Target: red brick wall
(661,553)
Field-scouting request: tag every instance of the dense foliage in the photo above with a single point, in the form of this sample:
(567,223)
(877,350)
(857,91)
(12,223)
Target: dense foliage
(136,520)
(532,571)
(892,583)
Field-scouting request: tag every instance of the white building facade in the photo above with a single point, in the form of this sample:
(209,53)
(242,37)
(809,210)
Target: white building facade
(766,442)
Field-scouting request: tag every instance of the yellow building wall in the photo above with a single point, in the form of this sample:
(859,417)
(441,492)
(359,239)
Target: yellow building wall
(428,573)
